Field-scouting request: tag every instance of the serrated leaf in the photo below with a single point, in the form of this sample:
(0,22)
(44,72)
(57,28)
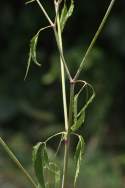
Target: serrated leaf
(78,157)
(38,158)
(66,13)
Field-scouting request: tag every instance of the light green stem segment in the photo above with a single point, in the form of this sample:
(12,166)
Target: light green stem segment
(95,38)
(66,153)
(44,12)
(62,76)
(67,137)
(15,160)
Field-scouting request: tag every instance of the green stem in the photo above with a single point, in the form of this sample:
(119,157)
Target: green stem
(72,85)
(15,160)
(61,54)
(66,159)
(95,38)
(45,13)
(67,135)
(56,36)
(62,76)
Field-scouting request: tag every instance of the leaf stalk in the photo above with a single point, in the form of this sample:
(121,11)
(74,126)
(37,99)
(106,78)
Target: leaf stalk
(16,161)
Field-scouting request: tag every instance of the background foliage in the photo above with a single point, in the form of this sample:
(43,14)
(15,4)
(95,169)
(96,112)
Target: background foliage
(31,110)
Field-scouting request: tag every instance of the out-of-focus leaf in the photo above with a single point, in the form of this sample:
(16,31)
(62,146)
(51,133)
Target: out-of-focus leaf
(35,113)
(53,73)
(8,109)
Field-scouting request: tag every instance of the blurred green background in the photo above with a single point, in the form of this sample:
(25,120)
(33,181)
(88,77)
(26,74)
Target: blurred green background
(31,110)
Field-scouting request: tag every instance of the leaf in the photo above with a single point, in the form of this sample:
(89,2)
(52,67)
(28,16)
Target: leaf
(79,122)
(53,72)
(32,51)
(89,100)
(79,117)
(78,157)
(46,158)
(66,13)
(54,168)
(38,158)
(33,46)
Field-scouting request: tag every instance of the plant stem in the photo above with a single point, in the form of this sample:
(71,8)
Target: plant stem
(62,77)
(56,36)
(72,85)
(15,160)
(45,13)
(95,38)
(61,54)
(67,138)
(67,123)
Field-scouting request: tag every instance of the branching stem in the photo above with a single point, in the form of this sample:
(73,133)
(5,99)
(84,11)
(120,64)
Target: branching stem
(94,39)
(45,13)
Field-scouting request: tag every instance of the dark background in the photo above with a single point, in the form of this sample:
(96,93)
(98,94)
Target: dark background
(31,110)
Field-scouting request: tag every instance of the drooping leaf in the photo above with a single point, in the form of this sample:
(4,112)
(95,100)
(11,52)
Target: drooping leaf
(66,13)
(78,157)
(89,100)
(79,117)
(52,73)
(33,46)
(38,158)
(32,51)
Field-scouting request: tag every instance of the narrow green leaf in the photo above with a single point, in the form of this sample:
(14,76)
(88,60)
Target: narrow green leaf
(33,46)
(63,16)
(79,117)
(66,13)
(79,122)
(78,157)
(38,158)
(89,100)
(32,51)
